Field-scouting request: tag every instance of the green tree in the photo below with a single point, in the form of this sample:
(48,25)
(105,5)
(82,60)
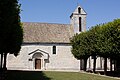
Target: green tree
(104,44)
(11,31)
(108,41)
(102,40)
(115,41)
(80,48)
(92,39)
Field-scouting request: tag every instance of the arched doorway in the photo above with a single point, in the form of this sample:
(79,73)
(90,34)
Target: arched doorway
(37,63)
(38,59)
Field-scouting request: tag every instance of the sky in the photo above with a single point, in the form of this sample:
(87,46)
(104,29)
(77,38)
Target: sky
(59,11)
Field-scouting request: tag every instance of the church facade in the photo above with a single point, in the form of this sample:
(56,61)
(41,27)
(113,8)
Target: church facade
(47,46)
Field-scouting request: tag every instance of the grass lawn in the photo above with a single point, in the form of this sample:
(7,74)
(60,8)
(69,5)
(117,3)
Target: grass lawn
(53,75)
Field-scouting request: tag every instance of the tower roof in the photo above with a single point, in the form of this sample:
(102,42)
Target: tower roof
(76,11)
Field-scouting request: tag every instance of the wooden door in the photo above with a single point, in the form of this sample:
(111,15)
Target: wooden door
(37,63)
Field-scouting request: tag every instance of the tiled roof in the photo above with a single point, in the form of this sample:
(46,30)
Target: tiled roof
(45,32)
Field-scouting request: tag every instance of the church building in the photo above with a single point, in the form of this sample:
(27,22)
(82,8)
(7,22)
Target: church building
(47,46)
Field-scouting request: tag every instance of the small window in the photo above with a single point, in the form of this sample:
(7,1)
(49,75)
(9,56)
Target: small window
(54,49)
(80,24)
(79,10)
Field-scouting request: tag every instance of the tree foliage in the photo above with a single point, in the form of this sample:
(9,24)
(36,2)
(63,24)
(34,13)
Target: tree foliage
(101,40)
(109,41)
(11,31)
(80,47)
(93,39)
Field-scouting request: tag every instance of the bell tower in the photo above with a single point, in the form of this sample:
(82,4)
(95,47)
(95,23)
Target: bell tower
(78,20)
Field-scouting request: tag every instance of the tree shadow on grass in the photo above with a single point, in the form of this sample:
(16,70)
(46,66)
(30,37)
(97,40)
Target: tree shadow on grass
(26,75)
(110,73)
(113,73)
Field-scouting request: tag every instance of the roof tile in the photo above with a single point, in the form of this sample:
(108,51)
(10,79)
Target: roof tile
(45,32)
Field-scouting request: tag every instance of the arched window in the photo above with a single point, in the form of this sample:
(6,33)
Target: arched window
(80,29)
(79,10)
(54,49)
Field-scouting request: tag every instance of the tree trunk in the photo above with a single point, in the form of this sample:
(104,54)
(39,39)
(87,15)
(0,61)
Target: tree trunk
(94,65)
(118,65)
(115,65)
(101,65)
(85,64)
(105,65)
(110,64)
(1,60)
(1,70)
(5,57)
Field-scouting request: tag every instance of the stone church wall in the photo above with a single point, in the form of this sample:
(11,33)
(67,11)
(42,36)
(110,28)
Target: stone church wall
(62,60)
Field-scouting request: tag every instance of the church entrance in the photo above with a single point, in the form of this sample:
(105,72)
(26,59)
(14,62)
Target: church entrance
(38,59)
(37,63)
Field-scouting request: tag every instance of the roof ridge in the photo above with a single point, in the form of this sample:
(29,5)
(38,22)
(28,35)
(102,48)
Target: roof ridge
(46,23)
